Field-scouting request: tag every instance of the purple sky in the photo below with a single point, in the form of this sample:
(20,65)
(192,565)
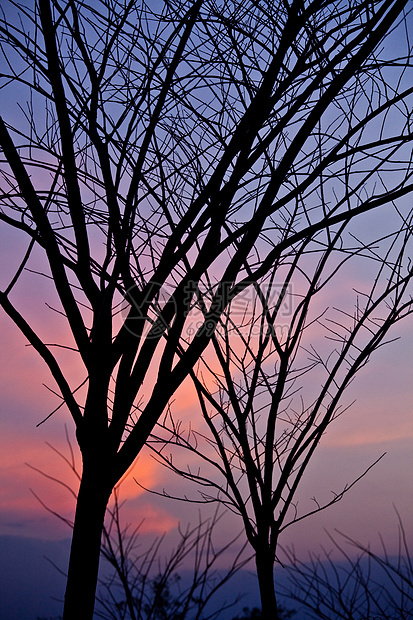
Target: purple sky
(380,421)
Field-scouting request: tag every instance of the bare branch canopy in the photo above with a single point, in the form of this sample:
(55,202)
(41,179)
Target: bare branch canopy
(169,162)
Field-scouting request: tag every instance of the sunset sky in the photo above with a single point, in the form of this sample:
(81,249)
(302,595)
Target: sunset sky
(379,421)
(37,484)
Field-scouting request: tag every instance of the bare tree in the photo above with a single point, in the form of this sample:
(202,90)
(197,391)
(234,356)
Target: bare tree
(366,586)
(146,586)
(167,159)
(263,417)
(140,580)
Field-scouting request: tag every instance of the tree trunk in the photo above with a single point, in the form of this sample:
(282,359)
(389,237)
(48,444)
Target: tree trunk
(85,550)
(265,572)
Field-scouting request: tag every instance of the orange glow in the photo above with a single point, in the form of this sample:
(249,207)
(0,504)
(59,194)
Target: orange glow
(153,520)
(23,514)
(381,415)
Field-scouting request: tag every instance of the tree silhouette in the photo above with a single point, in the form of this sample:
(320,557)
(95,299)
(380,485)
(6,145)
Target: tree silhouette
(369,585)
(145,586)
(169,159)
